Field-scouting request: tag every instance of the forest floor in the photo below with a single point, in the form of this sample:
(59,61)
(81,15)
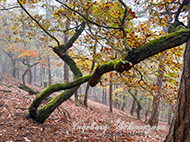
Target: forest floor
(93,124)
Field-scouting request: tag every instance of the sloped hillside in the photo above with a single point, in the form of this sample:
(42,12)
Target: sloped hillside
(71,122)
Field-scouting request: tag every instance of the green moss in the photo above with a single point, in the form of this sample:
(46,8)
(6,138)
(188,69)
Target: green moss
(176,26)
(161,39)
(43,113)
(48,91)
(113,63)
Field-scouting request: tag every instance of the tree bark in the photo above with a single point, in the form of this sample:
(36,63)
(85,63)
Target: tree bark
(124,103)
(153,121)
(14,68)
(40,115)
(48,58)
(154,118)
(140,53)
(28,69)
(180,128)
(110,95)
(35,74)
(76,96)
(116,95)
(42,76)
(30,72)
(0,77)
(133,105)
(88,85)
(139,107)
(66,68)
(103,100)
(169,114)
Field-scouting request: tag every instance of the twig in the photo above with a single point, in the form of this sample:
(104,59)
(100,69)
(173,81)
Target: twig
(13,87)
(37,22)
(4,8)
(107,27)
(23,108)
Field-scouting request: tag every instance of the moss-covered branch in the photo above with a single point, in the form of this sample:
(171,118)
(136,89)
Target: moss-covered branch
(134,97)
(56,87)
(71,63)
(139,107)
(64,47)
(40,115)
(141,53)
(45,111)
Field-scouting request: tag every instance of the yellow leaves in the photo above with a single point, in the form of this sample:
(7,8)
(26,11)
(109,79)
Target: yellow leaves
(89,3)
(23,1)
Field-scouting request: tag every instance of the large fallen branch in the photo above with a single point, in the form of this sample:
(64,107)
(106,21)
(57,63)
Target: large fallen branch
(13,87)
(27,89)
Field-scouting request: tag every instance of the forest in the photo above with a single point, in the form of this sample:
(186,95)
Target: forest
(91,70)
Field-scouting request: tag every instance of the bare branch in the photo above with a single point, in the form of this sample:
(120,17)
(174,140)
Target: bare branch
(92,22)
(185,2)
(9,8)
(38,23)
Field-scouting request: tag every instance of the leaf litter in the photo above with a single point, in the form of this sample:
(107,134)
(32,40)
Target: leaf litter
(15,126)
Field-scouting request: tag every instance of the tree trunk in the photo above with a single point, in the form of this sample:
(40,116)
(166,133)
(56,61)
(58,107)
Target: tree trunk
(35,74)
(110,95)
(42,114)
(88,85)
(139,107)
(47,37)
(18,70)
(180,128)
(30,72)
(169,114)
(138,111)
(66,68)
(0,77)
(28,69)
(42,76)
(124,103)
(103,96)
(49,71)
(14,68)
(86,95)
(116,95)
(133,105)
(76,96)
(153,121)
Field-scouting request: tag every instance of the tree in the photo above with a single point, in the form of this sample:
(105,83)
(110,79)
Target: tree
(133,104)
(127,59)
(0,76)
(110,95)
(180,127)
(153,121)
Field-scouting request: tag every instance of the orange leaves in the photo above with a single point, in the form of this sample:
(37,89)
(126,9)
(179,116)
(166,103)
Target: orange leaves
(90,3)
(30,1)
(22,52)
(132,13)
(23,1)
(28,53)
(59,64)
